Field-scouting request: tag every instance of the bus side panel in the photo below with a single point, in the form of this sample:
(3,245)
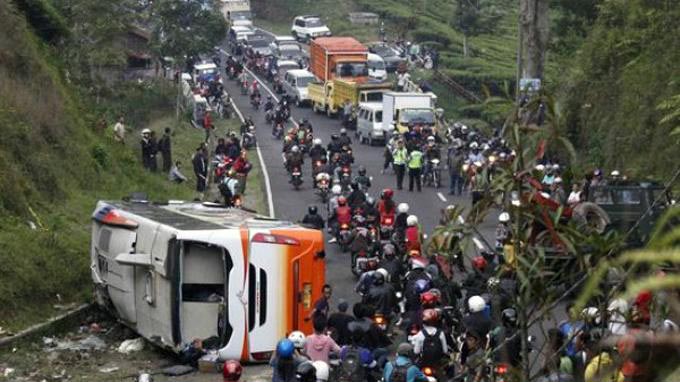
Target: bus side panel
(307,273)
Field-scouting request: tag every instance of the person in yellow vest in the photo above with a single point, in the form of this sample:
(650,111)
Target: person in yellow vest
(415,167)
(399,159)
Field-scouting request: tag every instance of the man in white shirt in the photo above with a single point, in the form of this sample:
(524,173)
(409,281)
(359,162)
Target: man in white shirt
(119,131)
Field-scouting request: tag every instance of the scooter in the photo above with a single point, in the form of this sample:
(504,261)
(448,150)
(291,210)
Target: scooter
(344,237)
(296,178)
(249,139)
(323,186)
(433,177)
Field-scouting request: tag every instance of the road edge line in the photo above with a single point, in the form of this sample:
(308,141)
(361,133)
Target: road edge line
(263,165)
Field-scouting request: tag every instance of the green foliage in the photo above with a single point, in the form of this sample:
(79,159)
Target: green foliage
(619,91)
(44,19)
(186,28)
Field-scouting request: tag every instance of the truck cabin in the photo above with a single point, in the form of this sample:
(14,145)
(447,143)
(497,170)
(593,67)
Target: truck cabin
(413,117)
(370,96)
(351,69)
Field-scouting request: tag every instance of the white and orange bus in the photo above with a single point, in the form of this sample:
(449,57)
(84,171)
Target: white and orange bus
(183,271)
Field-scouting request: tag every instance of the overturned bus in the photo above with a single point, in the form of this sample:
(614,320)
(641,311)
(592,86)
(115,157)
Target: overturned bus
(183,271)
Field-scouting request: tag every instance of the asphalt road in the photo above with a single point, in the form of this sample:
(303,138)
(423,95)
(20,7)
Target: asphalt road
(290,204)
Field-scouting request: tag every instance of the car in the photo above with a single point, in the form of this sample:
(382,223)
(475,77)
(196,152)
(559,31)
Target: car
(295,83)
(309,27)
(239,33)
(390,56)
(258,44)
(376,67)
(280,67)
(369,122)
(291,52)
(278,40)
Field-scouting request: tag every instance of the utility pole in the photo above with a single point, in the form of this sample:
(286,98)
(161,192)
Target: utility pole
(534,28)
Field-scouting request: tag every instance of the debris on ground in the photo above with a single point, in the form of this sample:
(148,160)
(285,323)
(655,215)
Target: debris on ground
(209,363)
(107,370)
(131,346)
(89,343)
(177,370)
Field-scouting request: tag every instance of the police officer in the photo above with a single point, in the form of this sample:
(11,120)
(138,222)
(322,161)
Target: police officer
(415,167)
(399,158)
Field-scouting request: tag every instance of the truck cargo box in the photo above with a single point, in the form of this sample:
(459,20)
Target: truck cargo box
(327,52)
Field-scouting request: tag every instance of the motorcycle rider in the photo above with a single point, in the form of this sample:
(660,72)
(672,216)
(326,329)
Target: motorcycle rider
(335,146)
(432,151)
(344,139)
(505,336)
(356,360)
(294,159)
(317,152)
(392,264)
(357,197)
(370,211)
(284,362)
(342,214)
(502,230)
(400,221)
(229,188)
(363,180)
(403,369)
(386,206)
(336,192)
(475,283)
(269,105)
(346,157)
(381,295)
(475,362)
(412,234)
(313,219)
(429,345)
(478,318)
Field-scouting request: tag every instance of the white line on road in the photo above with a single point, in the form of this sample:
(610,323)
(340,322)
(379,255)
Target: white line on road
(441,197)
(265,173)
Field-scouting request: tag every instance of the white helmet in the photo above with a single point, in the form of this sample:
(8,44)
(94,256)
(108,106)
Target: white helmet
(322,371)
(430,138)
(504,217)
(476,304)
(146,131)
(558,180)
(317,141)
(294,149)
(384,272)
(337,189)
(411,220)
(539,167)
(474,145)
(615,173)
(402,208)
(298,339)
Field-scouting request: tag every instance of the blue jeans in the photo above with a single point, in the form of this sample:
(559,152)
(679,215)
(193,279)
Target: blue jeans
(456,183)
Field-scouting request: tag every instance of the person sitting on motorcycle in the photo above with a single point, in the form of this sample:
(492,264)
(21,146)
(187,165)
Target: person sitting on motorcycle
(306,125)
(294,159)
(284,362)
(412,234)
(392,264)
(400,221)
(280,116)
(336,192)
(357,197)
(363,180)
(476,281)
(346,157)
(321,176)
(246,124)
(356,360)
(502,230)
(429,345)
(313,219)
(370,211)
(363,285)
(478,317)
(402,369)
(432,151)
(317,152)
(269,105)
(344,139)
(342,214)
(255,98)
(381,295)
(413,287)
(334,146)
(504,336)
(287,144)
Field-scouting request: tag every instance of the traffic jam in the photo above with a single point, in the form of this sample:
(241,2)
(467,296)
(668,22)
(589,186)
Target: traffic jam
(390,252)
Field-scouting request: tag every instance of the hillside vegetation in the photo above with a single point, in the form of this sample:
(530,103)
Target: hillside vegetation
(55,162)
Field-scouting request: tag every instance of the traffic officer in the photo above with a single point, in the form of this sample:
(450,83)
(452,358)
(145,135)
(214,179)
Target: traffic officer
(399,158)
(415,167)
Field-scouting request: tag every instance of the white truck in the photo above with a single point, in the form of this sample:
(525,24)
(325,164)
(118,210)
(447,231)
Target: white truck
(404,110)
(237,12)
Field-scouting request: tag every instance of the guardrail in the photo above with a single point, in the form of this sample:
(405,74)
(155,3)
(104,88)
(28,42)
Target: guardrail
(456,87)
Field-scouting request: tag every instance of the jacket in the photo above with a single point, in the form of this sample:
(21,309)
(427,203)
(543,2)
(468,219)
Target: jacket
(413,373)
(319,346)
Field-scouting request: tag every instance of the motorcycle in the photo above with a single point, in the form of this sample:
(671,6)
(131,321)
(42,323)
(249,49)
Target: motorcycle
(433,178)
(344,237)
(255,103)
(360,262)
(244,87)
(249,140)
(296,178)
(269,115)
(345,177)
(323,187)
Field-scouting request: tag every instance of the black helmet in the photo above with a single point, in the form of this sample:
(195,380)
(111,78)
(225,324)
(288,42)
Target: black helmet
(362,170)
(312,210)
(355,185)
(509,317)
(335,137)
(378,278)
(269,97)
(305,372)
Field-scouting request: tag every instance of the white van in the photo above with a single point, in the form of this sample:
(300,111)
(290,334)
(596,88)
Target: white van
(376,67)
(369,122)
(295,83)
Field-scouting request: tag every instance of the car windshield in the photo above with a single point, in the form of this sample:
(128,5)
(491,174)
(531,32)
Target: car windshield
(314,23)
(258,43)
(376,65)
(424,116)
(351,69)
(384,51)
(374,97)
(302,82)
(289,47)
(627,196)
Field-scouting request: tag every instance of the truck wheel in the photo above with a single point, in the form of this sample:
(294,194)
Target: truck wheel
(297,102)
(590,216)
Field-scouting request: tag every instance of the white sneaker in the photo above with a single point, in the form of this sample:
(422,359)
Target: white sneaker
(332,240)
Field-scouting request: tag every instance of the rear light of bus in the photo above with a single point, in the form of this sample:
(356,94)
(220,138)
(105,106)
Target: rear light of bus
(274,239)
(262,356)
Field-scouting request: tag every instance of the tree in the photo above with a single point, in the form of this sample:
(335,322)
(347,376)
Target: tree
(534,25)
(473,17)
(186,28)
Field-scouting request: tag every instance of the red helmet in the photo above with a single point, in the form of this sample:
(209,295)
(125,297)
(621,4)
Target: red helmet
(388,193)
(428,299)
(371,265)
(342,201)
(430,316)
(232,371)
(479,263)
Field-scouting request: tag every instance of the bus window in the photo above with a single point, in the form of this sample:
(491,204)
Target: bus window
(252,290)
(263,297)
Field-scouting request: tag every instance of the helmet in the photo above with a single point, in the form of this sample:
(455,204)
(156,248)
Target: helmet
(430,316)
(317,141)
(504,217)
(335,137)
(412,220)
(509,317)
(539,167)
(402,208)
(285,348)
(231,371)
(389,250)
(342,201)
(322,371)
(418,263)
(479,263)
(378,278)
(558,180)
(493,283)
(298,339)
(476,304)
(362,170)
(146,131)
(294,149)
(615,173)
(428,299)
(474,145)
(343,131)
(312,210)
(422,285)
(387,193)
(430,138)
(337,189)
(382,271)
(305,372)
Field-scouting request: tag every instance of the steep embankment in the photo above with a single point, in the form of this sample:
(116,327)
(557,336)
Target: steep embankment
(626,68)
(54,164)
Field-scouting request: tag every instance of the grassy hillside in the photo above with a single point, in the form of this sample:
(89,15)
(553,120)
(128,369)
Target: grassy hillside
(55,162)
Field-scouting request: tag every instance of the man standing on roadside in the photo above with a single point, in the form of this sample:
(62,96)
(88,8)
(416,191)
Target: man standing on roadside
(119,131)
(399,157)
(454,161)
(165,148)
(200,168)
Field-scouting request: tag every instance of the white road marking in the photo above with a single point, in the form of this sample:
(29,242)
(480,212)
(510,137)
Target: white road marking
(441,197)
(265,173)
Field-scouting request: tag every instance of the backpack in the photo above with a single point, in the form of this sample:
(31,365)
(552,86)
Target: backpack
(351,369)
(399,373)
(432,348)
